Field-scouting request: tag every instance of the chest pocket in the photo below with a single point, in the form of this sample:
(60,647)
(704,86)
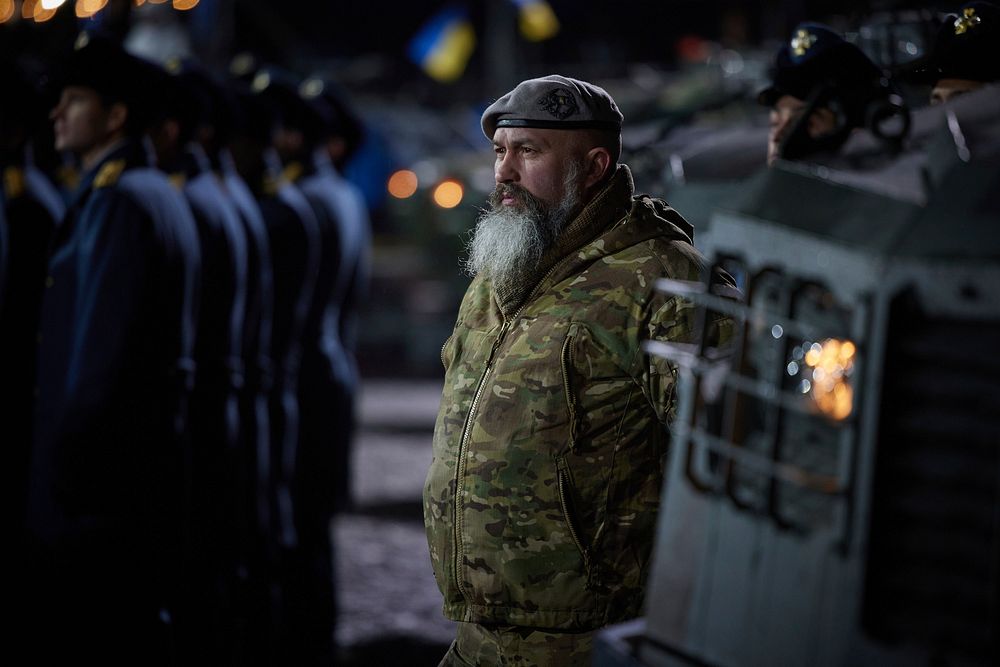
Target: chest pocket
(524,404)
(597,389)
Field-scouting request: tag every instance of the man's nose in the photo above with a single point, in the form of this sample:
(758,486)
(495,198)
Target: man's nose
(779,126)
(504,171)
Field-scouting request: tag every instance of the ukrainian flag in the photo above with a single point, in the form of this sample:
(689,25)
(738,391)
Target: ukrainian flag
(536,19)
(444,45)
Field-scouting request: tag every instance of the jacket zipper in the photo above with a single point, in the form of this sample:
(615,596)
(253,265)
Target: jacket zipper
(463,443)
(570,399)
(562,477)
(443,346)
(460,468)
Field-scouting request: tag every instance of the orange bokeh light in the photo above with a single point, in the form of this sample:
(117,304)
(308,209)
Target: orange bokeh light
(402,184)
(832,362)
(6,10)
(40,14)
(448,194)
(184,5)
(87,8)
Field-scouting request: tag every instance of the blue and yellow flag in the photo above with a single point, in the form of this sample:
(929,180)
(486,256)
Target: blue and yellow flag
(444,45)
(537,20)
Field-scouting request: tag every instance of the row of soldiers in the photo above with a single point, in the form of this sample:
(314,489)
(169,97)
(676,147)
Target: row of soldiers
(177,368)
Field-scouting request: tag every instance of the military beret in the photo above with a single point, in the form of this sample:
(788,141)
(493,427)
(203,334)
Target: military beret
(555,102)
(816,55)
(967,46)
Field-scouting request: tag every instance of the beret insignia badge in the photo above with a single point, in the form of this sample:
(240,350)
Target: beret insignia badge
(966,21)
(802,41)
(559,103)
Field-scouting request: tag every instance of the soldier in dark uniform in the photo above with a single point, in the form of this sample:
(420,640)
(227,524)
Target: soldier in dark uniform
(341,136)
(324,380)
(295,243)
(214,416)
(114,366)
(823,88)
(33,208)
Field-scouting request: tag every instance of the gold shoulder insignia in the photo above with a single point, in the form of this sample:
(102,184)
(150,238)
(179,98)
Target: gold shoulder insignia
(292,172)
(177,179)
(271,185)
(968,20)
(68,176)
(13,182)
(109,173)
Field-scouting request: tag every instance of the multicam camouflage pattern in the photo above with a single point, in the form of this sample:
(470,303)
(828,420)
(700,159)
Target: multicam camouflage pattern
(541,500)
(511,646)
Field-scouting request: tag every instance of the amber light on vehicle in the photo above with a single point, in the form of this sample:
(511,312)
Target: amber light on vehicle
(832,363)
(448,194)
(402,184)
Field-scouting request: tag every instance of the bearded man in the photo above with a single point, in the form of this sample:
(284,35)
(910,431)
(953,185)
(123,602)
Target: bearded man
(541,500)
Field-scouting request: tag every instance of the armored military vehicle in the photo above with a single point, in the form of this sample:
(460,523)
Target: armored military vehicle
(832,495)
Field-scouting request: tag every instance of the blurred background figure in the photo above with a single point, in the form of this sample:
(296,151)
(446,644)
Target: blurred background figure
(32,209)
(339,138)
(294,236)
(182,137)
(966,53)
(823,88)
(322,386)
(115,345)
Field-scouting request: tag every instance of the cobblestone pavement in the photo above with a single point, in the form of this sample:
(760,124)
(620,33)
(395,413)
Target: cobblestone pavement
(389,605)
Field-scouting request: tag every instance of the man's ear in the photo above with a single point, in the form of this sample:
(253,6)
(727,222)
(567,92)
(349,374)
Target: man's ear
(598,161)
(117,116)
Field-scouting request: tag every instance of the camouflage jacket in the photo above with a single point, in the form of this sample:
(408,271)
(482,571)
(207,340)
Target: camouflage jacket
(540,503)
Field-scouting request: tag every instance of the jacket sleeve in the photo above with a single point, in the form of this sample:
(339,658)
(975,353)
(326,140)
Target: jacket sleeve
(682,325)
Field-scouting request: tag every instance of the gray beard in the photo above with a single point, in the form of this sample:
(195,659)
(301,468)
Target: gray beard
(509,241)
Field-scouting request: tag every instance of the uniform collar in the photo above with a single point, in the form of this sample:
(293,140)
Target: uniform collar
(132,152)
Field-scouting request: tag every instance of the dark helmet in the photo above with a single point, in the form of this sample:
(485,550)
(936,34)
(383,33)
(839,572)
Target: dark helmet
(822,69)
(816,57)
(967,46)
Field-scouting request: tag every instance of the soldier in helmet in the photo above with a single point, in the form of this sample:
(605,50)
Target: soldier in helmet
(966,54)
(540,504)
(114,365)
(823,88)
